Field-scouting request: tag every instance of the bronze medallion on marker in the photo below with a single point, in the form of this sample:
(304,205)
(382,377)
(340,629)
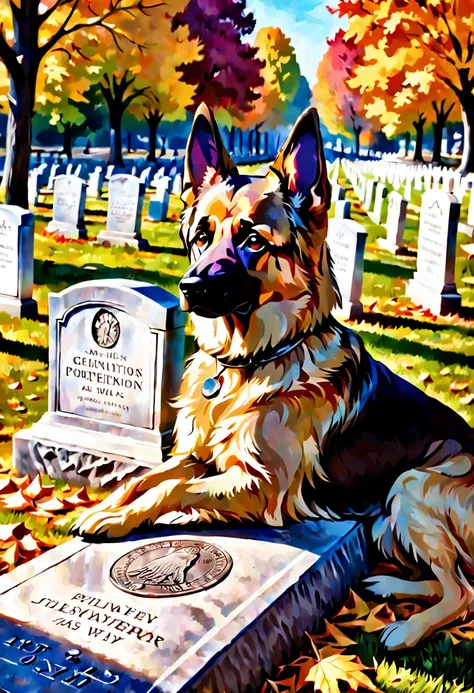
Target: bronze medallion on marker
(171,568)
(105,329)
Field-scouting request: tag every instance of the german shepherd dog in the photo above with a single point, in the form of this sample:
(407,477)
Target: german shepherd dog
(283,415)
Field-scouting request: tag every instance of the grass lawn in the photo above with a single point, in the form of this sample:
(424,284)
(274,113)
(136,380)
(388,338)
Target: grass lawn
(436,354)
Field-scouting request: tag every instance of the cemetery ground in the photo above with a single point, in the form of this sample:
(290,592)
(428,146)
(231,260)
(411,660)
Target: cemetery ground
(435,353)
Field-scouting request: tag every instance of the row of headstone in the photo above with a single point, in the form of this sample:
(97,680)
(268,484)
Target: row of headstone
(124,209)
(433,285)
(41,178)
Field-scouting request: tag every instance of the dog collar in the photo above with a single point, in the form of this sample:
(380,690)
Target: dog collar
(212,386)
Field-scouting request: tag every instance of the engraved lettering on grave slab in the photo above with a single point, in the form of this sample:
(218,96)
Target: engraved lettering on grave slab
(106,367)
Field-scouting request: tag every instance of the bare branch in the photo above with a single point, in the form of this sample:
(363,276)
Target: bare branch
(64,30)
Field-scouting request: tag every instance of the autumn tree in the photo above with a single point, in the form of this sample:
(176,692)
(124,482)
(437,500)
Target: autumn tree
(168,96)
(67,97)
(227,73)
(29,31)
(339,105)
(281,79)
(438,39)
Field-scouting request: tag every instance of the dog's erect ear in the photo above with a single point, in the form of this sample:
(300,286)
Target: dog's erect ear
(301,166)
(206,156)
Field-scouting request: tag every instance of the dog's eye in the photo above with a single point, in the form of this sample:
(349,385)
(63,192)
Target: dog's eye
(254,243)
(201,239)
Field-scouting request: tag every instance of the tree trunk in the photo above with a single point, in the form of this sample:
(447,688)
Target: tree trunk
(265,142)
(419,126)
(251,133)
(407,144)
(115,156)
(357,131)
(467,161)
(258,139)
(232,139)
(129,142)
(19,133)
(67,142)
(438,128)
(153,120)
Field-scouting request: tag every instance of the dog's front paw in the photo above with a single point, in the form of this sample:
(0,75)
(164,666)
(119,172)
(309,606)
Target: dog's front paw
(94,523)
(381,585)
(401,635)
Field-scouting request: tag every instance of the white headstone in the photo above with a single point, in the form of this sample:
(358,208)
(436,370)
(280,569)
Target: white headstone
(433,285)
(380,207)
(69,201)
(395,224)
(16,262)
(96,183)
(159,203)
(346,241)
(177,188)
(124,213)
(116,360)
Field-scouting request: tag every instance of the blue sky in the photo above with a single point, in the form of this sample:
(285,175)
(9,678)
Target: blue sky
(306,22)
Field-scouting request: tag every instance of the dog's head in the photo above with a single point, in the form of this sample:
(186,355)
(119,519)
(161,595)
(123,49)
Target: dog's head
(260,269)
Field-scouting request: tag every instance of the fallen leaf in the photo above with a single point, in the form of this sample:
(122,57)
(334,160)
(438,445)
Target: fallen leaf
(7,487)
(16,501)
(36,490)
(21,481)
(354,608)
(333,636)
(53,504)
(460,386)
(32,398)
(33,377)
(467,400)
(12,532)
(80,498)
(15,386)
(445,371)
(9,558)
(327,672)
(425,378)
(408,366)
(379,617)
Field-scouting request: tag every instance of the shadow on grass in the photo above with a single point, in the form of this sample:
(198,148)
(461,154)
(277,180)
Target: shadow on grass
(405,346)
(30,352)
(394,321)
(52,273)
(387,269)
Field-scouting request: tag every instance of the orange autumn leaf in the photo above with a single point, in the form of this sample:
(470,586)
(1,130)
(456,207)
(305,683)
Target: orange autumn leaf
(333,636)
(20,481)
(354,608)
(379,617)
(467,400)
(9,558)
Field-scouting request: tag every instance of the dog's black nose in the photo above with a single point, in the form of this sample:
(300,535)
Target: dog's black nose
(192,287)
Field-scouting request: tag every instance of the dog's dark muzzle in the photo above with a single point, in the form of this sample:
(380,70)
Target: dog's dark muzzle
(219,289)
